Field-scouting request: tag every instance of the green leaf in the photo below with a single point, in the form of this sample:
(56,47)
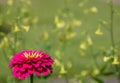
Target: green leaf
(103,68)
(98,79)
(107,73)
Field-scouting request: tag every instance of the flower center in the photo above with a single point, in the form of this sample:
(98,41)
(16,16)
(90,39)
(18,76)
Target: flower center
(32,55)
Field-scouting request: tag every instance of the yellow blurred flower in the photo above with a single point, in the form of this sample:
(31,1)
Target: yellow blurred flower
(71,35)
(46,36)
(113,49)
(28,2)
(83,46)
(4,43)
(26,28)
(84,73)
(115,61)
(77,23)
(94,9)
(24,10)
(57,54)
(89,40)
(16,29)
(96,71)
(62,70)
(106,59)
(10,2)
(98,31)
(10,57)
(59,23)
(57,62)
(26,20)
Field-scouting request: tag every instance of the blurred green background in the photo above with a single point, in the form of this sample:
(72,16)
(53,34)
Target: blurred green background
(74,53)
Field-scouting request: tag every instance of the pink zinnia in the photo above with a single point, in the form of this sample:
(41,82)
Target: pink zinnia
(31,62)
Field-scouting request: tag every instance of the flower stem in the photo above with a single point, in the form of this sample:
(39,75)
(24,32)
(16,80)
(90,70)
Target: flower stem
(112,36)
(31,78)
(111,26)
(66,79)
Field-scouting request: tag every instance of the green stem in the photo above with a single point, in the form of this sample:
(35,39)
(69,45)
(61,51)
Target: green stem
(66,79)
(31,78)
(112,37)
(93,57)
(15,40)
(13,46)
(111,27)
(5,55)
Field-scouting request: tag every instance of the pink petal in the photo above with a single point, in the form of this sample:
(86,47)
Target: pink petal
(46,73)
(38,73)
(31,71)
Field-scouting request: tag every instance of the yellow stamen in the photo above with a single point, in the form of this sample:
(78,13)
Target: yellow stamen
(33,55)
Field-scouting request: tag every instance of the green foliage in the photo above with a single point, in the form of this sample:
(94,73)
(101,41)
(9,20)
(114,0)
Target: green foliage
(79,34)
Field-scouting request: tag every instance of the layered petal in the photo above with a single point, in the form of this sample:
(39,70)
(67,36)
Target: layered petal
(30,62)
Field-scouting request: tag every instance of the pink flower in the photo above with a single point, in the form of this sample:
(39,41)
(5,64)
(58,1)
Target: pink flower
(30,62)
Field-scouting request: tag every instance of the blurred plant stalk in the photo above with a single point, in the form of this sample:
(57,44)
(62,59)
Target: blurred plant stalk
(117,66)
